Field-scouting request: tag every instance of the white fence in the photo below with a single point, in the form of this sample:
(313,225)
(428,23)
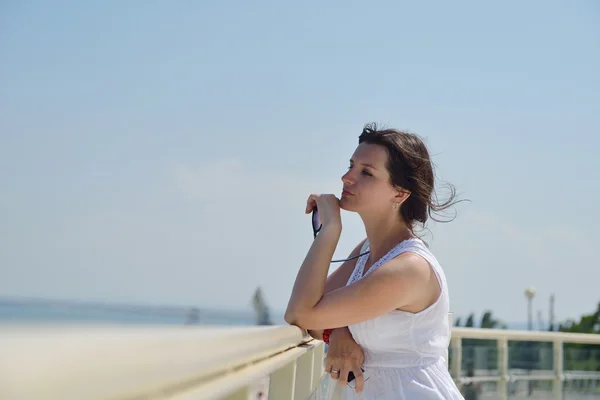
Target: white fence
(502,338)
(192,362)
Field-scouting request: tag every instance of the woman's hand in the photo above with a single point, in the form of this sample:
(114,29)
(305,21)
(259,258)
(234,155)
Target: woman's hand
(328,206)
(345,355)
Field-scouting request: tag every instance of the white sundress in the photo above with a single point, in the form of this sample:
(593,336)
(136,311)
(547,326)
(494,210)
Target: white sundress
(405,353)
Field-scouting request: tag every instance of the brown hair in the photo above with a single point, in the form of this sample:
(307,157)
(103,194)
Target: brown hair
(410,168)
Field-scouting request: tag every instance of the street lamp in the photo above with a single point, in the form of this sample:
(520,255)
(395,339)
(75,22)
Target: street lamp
(530,294)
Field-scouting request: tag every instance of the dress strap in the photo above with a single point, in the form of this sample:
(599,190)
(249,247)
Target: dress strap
(414,244)
(393,253)
(360,264)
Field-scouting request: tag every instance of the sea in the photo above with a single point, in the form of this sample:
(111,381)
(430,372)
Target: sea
(15,310)
(53,312)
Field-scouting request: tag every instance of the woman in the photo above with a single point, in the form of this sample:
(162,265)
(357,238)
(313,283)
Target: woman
(392,300)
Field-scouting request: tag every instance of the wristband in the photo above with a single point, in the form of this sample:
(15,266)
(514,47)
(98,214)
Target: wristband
(326,334)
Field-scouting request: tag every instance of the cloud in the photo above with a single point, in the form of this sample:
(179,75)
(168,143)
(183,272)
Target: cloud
(208,181)
(256,217)
(244,200)
(542,241)
(208,234)
(490,260)
(231,178)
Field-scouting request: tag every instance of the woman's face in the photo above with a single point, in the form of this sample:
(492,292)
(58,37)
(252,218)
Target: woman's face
(367,186)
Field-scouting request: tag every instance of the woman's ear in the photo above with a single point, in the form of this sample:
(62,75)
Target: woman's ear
(401,196)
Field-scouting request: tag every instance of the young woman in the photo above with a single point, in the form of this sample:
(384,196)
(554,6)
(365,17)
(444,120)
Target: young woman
(392,300)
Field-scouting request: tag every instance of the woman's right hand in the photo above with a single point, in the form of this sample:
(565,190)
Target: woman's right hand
(344,355)
(328,206)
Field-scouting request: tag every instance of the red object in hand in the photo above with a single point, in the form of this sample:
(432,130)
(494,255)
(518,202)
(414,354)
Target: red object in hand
(326,334)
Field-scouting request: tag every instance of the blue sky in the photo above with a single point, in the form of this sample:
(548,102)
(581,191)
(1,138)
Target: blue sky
(162,152)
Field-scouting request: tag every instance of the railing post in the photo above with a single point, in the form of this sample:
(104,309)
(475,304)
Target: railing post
(318,365)
(557,352)
(456,345)
(450,324)
(502,345)
(304,374)
(283,382)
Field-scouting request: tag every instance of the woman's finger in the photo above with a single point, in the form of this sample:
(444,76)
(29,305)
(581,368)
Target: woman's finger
(344,374)
(330,367)
(359,378)
(311,203)
(335,373)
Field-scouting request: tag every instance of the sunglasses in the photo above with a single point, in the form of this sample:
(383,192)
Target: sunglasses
(316,226)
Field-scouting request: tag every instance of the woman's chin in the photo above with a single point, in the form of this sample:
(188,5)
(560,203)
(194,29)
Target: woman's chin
(346,205)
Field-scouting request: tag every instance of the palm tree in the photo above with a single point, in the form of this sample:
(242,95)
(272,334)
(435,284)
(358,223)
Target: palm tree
(488,322)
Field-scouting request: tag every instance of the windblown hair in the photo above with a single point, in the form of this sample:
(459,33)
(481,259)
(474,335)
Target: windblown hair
(410,168)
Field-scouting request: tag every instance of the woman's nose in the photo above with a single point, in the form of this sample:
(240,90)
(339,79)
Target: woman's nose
(347,178)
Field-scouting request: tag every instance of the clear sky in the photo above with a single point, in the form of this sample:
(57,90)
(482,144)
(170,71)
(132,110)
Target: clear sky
(162,152)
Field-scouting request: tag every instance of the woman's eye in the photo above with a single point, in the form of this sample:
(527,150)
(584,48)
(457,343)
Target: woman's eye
(364,171)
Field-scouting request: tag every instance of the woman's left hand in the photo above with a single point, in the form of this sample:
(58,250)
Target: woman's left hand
(344,356)
(328,206)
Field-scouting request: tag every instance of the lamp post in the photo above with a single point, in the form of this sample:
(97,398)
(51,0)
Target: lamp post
(530,294)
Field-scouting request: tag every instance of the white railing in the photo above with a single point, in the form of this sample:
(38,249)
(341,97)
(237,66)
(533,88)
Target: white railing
(184,363)
(502,337)
(180,363)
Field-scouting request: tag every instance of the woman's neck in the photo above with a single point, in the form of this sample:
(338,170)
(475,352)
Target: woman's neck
(384,232)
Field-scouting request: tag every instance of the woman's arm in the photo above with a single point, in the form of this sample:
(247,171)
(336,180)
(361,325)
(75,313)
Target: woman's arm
(310,281)
(338,279)
(397,283)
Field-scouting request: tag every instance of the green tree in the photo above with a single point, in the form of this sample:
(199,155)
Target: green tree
(582,356)
(469,323)
(488,322)
(588,324)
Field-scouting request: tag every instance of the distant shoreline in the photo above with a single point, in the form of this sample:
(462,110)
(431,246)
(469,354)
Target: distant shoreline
(173,311)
